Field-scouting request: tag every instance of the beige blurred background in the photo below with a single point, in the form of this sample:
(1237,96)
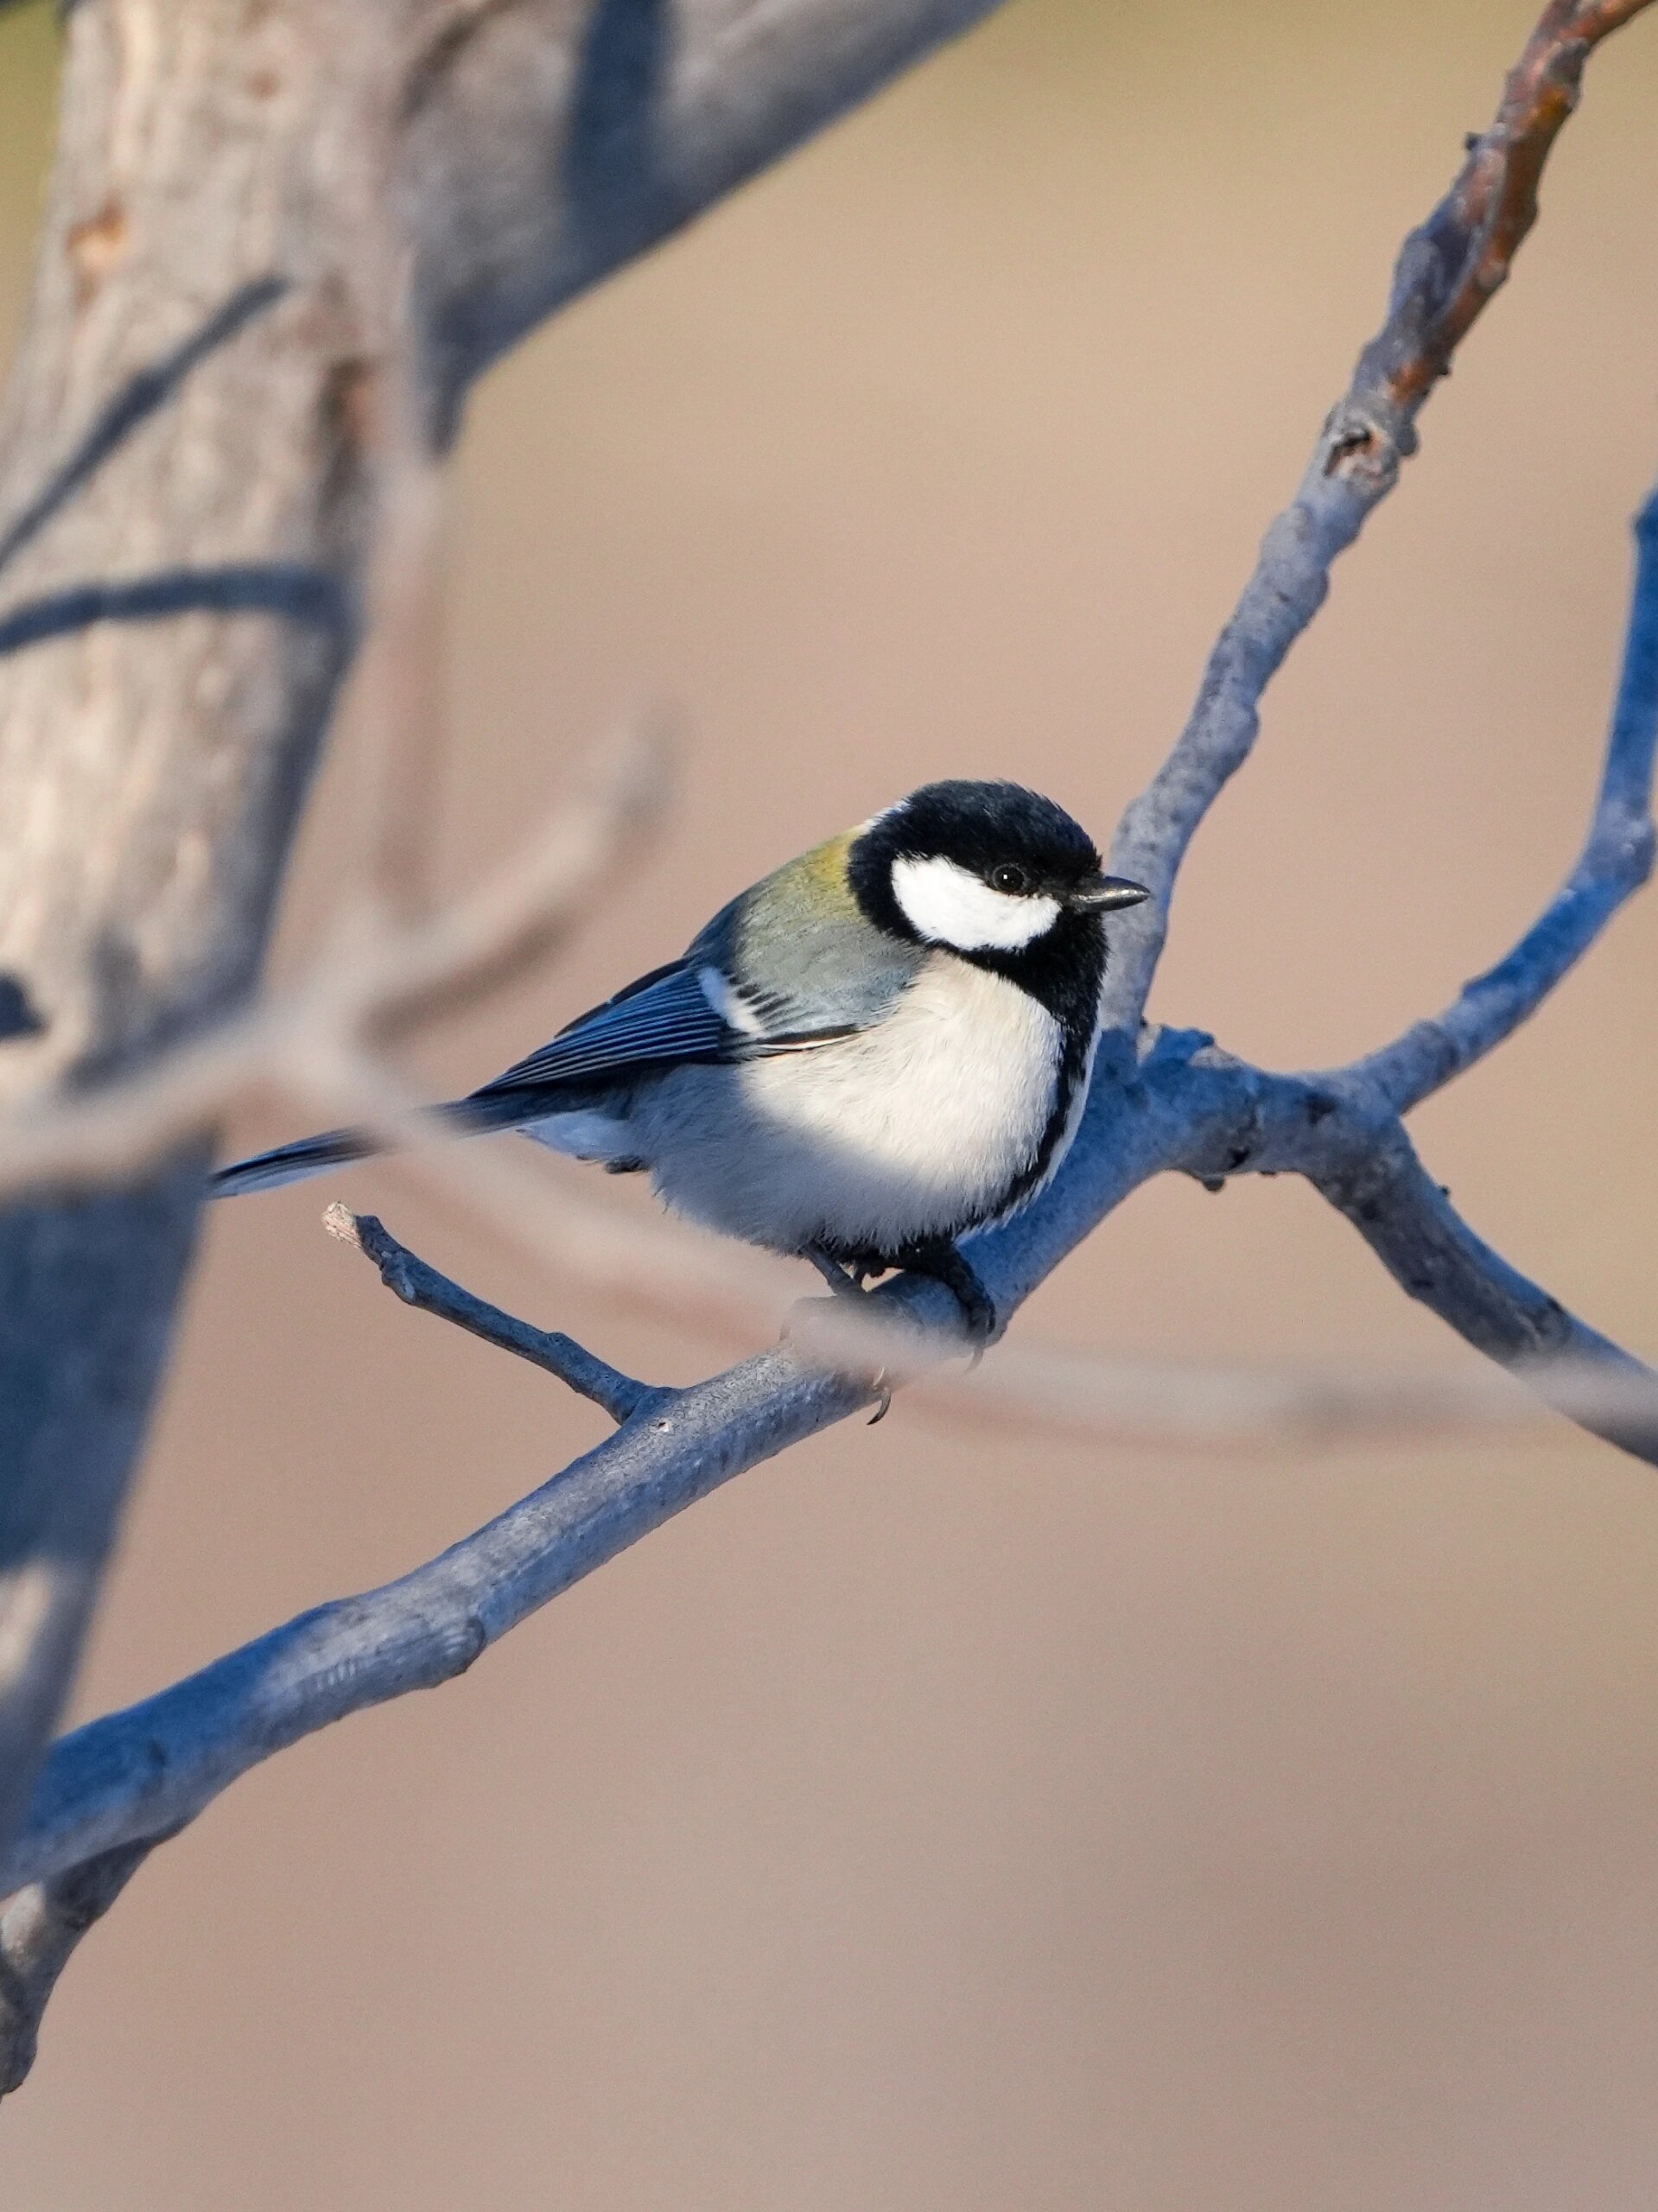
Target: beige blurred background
(923,1824)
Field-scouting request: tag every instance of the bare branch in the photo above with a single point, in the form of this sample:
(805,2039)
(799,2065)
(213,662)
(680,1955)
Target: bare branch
(175,1753)
(1445,273)
(121,1780)
(417,1284)
(39,1929)
(1463,254)
(1409,1223)
(550,143)
(118,1781)
(1615,860)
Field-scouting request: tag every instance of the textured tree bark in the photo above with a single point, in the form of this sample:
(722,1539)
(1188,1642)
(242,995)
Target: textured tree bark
(184,454)
(262,213)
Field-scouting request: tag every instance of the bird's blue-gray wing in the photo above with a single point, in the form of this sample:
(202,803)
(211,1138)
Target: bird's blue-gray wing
(824,980)
(677,1015)
(667,1018)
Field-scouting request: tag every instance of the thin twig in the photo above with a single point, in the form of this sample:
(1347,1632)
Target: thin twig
(1615,860)
(417,1284)
(643,1260)
(1409,1223)
(1451,267)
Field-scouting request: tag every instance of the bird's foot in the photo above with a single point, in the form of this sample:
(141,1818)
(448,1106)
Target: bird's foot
(944,1263)
(847,1279)
(844,1282)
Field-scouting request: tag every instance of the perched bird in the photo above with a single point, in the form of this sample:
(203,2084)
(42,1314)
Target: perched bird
(881,1046)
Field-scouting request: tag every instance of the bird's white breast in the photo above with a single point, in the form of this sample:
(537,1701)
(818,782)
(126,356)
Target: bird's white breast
(912,1129)
(955,1084)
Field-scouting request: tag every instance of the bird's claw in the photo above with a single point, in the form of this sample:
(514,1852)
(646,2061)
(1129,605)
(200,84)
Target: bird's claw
(879,1383)
(980,1321)
(942,1263)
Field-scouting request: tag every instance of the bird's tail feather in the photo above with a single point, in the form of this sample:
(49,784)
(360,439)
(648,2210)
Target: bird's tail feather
(289,1163)
(292,1163)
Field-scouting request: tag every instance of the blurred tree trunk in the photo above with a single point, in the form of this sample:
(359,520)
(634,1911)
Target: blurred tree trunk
(268,219)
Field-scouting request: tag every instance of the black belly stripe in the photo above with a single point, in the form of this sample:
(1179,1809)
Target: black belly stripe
(1064,970)
(1073,1067)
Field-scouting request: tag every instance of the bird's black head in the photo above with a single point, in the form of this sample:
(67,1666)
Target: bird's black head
(997,873)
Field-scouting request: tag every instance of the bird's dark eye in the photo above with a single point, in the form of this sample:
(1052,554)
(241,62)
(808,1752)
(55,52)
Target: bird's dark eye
(1009,877)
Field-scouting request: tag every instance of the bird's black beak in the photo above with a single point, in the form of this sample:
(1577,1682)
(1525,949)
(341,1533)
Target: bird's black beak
(1104,894)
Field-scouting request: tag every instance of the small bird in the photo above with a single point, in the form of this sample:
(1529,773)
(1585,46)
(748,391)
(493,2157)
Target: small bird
(874,1051)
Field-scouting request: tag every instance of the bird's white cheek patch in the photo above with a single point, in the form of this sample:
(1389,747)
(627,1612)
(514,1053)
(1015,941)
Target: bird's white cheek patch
(946,904)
